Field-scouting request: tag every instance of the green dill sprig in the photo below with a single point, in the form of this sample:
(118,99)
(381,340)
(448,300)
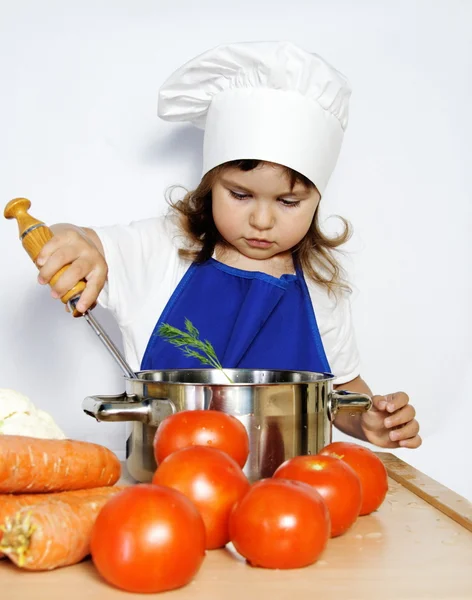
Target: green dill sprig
(191,344)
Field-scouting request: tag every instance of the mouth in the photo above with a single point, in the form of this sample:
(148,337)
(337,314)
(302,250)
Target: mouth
(257,243)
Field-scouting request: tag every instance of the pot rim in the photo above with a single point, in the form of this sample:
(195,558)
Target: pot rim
(304,377)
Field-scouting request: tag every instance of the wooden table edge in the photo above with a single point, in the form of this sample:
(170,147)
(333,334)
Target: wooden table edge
(431,491)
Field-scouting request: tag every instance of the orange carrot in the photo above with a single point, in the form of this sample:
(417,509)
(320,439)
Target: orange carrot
(53,534)
(41,465)
(10,504)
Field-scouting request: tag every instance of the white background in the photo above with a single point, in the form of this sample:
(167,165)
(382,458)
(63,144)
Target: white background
(79,136)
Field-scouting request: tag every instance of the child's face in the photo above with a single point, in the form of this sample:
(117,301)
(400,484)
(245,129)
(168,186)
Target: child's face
(257,213)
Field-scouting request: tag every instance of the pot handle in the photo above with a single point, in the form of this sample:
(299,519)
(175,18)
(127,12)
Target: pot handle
(348,401)
(128,408)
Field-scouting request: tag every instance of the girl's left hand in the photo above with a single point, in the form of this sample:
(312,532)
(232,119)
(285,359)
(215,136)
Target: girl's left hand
(391,423)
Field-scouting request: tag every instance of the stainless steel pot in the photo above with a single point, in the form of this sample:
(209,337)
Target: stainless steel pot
(285,413)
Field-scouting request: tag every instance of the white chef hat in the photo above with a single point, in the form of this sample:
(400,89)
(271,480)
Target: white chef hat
(270,101)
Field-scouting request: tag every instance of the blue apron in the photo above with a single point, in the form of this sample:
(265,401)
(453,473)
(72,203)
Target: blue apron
(253,320)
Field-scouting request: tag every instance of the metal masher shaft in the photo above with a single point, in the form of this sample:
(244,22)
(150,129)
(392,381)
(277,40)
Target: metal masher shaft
(106,341)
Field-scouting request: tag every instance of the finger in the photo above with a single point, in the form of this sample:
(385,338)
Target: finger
(403,415)
(396,401)
(65,255)
(414,442)
(48,249)
(379,402)
(410,430)
(76,272)
(95,283)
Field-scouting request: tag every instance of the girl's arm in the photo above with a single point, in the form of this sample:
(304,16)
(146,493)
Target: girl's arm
(390,423)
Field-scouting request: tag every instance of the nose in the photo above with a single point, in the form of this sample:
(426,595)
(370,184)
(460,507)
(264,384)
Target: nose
(261,216)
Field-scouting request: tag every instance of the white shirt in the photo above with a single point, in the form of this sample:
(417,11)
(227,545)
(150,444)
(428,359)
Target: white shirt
(144,268)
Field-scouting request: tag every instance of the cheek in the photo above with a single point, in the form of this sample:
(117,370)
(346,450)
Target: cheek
(224,217)
(299,226)
(305,219)
(217,208)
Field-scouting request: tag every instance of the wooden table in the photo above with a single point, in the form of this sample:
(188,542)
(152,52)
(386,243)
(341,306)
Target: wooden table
(410,549)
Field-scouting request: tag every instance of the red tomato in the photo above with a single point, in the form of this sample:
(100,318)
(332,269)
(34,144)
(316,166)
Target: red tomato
(202,428)
(334,480)
(369,468)
(212,480)
(280,524)
(148,539)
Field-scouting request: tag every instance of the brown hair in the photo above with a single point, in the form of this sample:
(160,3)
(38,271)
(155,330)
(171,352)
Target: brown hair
(314,253)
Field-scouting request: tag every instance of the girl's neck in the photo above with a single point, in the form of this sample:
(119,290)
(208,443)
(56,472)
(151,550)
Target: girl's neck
(277,265)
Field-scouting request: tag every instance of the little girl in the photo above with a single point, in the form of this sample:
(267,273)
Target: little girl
(243,256)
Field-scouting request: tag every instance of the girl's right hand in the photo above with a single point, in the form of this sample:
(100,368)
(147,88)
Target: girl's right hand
(82,250)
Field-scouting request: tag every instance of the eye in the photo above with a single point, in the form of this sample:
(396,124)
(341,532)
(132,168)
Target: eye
(289,203)
(238,195)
